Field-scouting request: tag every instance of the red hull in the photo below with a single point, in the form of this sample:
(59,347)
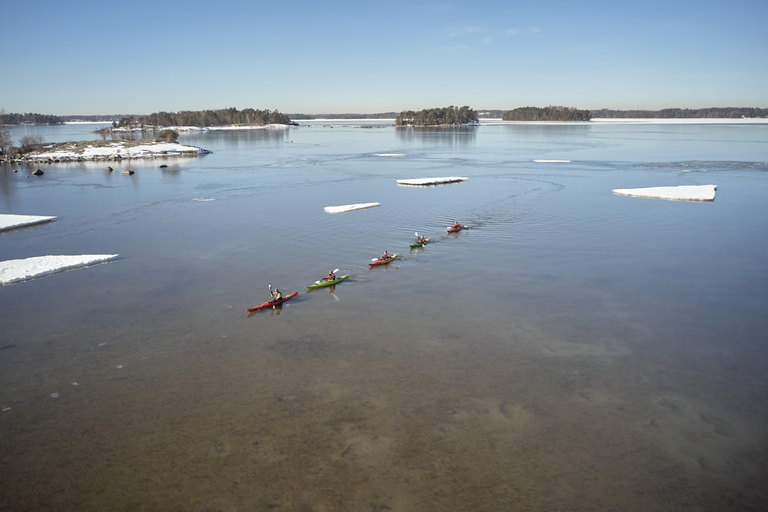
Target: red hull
(269,304)
(455,230)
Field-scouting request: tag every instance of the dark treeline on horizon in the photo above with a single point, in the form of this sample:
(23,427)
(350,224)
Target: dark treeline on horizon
(221,117)
(30,118)
(684,113)
(248,116)
(445,116)
(551,113)
(308,117)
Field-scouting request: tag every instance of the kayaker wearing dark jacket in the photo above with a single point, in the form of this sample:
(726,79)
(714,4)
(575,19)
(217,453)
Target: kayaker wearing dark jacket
(422,239)
(385,256)
(456,224)
(331,276)
(276,295)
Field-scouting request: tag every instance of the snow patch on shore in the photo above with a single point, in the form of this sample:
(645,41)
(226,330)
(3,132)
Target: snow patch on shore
(350,207)
(432,181)
(14,271)
(681,193)
(8,221)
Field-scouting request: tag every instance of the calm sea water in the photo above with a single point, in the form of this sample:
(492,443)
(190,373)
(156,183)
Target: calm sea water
(573,349)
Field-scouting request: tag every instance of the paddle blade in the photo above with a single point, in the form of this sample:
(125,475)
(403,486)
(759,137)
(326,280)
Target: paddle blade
(417,235)
(374,259)
(335,270)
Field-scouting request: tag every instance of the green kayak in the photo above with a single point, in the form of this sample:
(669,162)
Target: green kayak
(323,284)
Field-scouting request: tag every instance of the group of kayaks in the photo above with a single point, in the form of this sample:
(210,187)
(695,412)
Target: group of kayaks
(384,259)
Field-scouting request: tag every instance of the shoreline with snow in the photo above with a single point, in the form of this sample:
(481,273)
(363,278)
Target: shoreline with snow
(103,150)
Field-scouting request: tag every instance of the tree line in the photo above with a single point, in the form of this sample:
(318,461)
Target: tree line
(29,118)
(685,113)
(306,117)
(551,113)
(222,117)
(445,116)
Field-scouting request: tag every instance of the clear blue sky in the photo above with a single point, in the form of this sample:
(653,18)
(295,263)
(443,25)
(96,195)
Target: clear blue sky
(103,57)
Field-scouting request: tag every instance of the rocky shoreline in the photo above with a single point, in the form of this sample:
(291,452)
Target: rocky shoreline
(101,150)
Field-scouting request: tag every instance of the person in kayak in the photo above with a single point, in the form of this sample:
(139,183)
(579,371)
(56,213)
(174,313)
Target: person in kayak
(276,295)
(421,239)
(456,224)
(331,276)
(384,256)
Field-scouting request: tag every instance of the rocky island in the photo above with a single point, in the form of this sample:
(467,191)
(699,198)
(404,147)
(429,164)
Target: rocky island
(100,150)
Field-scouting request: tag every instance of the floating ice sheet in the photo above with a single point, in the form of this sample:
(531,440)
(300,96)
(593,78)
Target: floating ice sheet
(681,193)
(349,207)
(8,221)
(552,161)
(432,181)
(14,271)
(391,155)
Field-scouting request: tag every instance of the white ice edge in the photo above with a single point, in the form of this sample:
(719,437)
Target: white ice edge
(349,207)
(552,161)
(681,193)
(391,155)
(8,221)
(14,271)
(432,181)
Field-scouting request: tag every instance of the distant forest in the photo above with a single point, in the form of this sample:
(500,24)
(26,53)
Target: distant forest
(445,116)
(30,118)
(685,113)
(307,117)
(98,118)
(222,117)
(550,113)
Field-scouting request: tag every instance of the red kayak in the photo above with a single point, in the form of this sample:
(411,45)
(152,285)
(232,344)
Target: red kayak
(271,303)
(455,230)
(383,262)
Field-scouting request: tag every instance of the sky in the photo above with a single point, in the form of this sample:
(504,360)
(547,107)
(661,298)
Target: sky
(139,57)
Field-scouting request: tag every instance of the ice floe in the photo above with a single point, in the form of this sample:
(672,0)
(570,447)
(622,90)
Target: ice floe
(552,161)
(14,271)
(8,221)
(432,181)
(681,193)
(391,155)
(349,207)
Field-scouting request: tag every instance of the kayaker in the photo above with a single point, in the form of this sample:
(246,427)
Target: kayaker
(385,256)
(456,224)
(422,239)
(276,295)
(331,276)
